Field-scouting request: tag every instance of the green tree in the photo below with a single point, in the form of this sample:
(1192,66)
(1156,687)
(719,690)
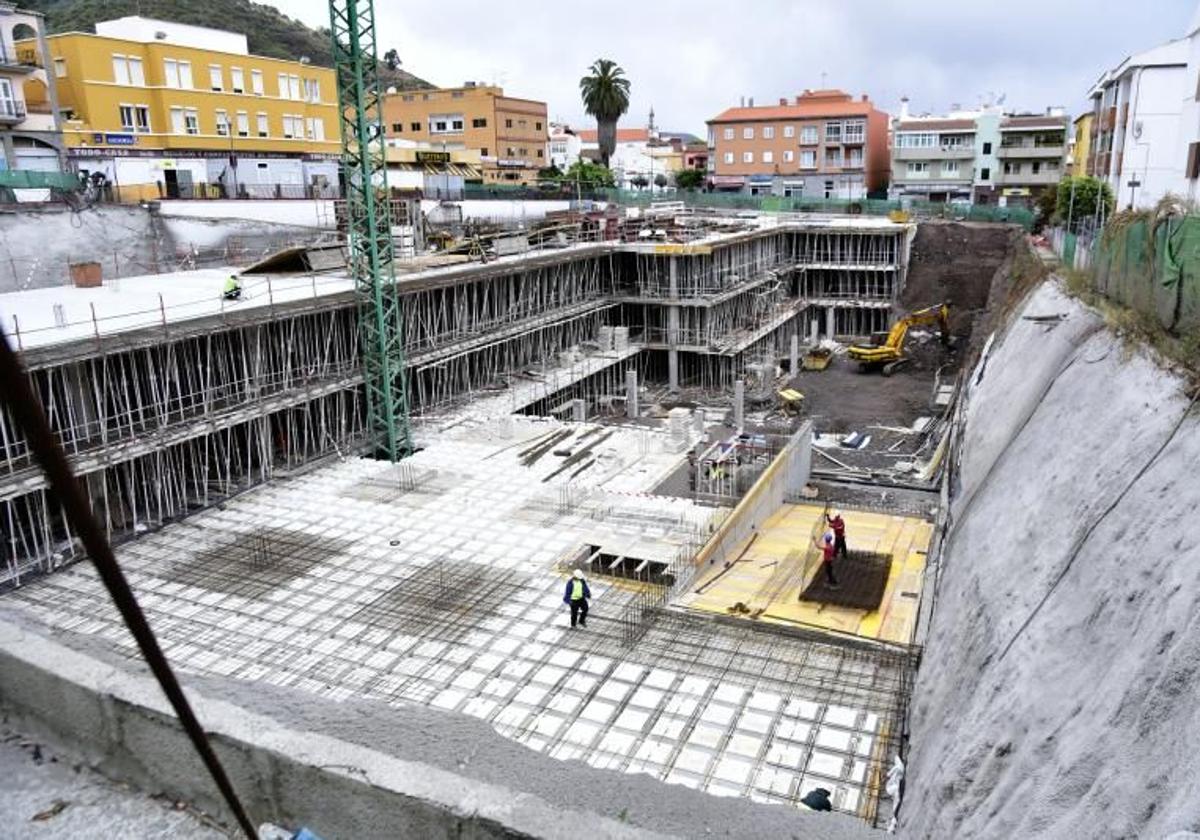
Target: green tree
(689,179)
(605,93)
(588,174)
(661,180)
(1088,192)
(640,181)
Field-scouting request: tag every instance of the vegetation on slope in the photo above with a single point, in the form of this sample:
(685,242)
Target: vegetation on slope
(270,32)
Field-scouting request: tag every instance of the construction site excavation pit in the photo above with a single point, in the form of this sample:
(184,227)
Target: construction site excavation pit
(617,408)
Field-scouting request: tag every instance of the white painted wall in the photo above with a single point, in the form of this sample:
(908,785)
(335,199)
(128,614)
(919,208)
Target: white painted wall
(1158,153)
(146,30)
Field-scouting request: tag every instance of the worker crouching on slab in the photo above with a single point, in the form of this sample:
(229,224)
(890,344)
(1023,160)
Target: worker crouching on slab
(576,597)
(233,288)
(827,552)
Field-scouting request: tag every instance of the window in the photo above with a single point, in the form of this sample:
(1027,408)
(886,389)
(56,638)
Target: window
(256,82)
(808,136)
(222,123)
(833,157)
(950,169)
(127,70)
(60,68)
(768,157)
(728,134)
(283,85)
(312,90)
(237,80)
(768,132)
(141,114)
(243,124)
(479,122)
(415,126)
(293,127)
(397,128)
(408,97)
(316,129)
(729,157)
(540,153)
(1037,167)
(456,125)
(985,174)
(438,126)
(537,126)
(177,120)
(855,131)
(833,132)
(508,123)
(747,157)
(854,158)
(987,148)
(191,121)
(126,117)
(748,133)
(1012,168)
(789,131)
(264,125)
(808,158)
(294,87)
(521,123)
(788,156)
(214,77)
(483,152)
(177,74)
(916,140)
(917,169)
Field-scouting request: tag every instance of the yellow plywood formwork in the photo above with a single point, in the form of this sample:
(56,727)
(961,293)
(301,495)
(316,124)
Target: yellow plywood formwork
(770,573)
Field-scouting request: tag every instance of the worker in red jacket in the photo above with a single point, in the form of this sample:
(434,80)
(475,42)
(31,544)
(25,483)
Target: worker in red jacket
(827,552)
(839,532)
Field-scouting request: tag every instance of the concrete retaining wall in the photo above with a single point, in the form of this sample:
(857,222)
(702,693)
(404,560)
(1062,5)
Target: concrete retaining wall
(1058,693)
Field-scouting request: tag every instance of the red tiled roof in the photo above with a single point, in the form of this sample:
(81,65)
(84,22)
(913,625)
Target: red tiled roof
(806,109)
(624,135)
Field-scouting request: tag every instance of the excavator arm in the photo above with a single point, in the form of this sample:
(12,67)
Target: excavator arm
(891,350)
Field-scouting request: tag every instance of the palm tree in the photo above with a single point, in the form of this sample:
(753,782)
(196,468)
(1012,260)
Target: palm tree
(605,92)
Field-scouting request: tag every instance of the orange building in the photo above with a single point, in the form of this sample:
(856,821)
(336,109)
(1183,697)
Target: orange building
(824,144)
(510,134)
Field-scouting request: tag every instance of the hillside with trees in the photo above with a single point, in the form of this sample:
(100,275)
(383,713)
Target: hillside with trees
(270,32)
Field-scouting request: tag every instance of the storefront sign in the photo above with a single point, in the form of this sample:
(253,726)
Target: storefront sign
(115,139)
(433,157)
(512,164)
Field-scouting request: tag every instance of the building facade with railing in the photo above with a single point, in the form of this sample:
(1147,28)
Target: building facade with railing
(825,144)
(164,110)
(1032,155)
(29,126)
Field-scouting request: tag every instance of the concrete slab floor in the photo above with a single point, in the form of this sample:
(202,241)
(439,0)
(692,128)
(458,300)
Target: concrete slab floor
(49,795)
(439,582)
(783,561)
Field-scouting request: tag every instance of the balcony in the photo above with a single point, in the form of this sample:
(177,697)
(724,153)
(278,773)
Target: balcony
(11,111)
(1027,178)
(934,153)
(24,60)
(1031,151)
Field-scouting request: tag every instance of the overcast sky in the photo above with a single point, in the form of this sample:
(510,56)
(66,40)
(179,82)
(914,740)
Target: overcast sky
(690,59)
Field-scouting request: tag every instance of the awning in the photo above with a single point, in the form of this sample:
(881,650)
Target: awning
(727,180)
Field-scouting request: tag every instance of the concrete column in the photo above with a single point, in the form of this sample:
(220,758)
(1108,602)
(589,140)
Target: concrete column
(673,325)
(739,404)
(673,370)
(830,323)
(815,337)
(631,393)
(794,357)
(579,410)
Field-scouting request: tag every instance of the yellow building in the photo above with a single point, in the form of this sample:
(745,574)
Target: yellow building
(1083,144)
(174,111)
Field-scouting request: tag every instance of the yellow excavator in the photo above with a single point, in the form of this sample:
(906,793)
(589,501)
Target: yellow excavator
(888,355)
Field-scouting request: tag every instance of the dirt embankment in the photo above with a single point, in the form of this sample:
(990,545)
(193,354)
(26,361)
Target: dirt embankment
(957,263)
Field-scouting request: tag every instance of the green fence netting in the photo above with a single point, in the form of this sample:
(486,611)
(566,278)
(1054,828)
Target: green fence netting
(768,203)
(1154,269)
(28,179)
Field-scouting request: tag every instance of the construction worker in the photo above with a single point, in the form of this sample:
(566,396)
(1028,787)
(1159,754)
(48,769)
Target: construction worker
(233,288)
(827,552)
(817,799)
(839,532)
(576,597)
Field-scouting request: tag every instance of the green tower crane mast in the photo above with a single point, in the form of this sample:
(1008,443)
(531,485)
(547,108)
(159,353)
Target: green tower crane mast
(368,212)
